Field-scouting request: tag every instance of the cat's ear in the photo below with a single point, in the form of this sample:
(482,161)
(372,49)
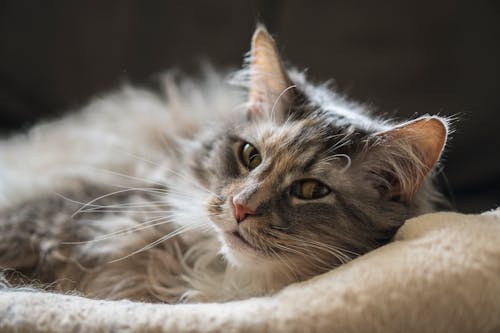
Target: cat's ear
(270,90)
(400,158)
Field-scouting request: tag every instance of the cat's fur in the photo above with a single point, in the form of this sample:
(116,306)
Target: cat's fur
(84,199)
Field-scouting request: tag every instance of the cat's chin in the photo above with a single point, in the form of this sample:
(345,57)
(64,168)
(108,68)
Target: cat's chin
(238,251)
(237,242)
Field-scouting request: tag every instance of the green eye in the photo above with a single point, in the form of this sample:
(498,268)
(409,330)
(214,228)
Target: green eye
(309,189)
(250,156)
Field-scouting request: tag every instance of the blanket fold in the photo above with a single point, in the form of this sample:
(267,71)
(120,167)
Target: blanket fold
(441,274)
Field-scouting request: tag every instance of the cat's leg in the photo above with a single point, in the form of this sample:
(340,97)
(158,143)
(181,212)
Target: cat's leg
(32,235)
(97,251)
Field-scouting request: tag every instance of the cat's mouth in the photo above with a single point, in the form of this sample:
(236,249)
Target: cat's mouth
(237,241)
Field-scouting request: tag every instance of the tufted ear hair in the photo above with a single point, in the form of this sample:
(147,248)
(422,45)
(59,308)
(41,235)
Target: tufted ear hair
(270,90)
(399,159)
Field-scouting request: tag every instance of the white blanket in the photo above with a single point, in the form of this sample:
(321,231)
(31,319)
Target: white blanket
(441,274)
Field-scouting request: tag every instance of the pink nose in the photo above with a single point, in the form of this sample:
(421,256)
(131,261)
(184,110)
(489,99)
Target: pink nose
(241,211)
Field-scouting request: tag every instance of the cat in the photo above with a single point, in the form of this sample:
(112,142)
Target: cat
(209,191)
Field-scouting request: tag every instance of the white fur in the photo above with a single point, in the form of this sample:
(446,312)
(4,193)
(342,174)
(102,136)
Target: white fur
(107,134)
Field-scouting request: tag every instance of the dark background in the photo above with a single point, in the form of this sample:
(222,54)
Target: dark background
(405,57)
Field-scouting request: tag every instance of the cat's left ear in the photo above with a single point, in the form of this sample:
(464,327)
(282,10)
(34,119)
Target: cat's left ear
(400,158)
(270,90)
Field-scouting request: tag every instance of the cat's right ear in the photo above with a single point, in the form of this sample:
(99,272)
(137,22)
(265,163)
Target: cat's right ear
(399,159)
(270,90)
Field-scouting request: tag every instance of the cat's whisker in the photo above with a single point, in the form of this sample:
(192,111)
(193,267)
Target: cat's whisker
(159,204)
(128,230)
(160,191)
(343,250)
(305,243)
(124,207)
(337,248)
(160,240)
(148,223)
(139,204)
(342,257)
(276,101)
(149,208)
(168,170)
(140,158)
(288,249)
(159,220)
(319,262)
(155,191)
(150,190)
(123,175)
(292,269)
(336,156)
(74,201)
(100,210)
(313,259)
(334,250)
(91,202)
(195,184)
(181,196)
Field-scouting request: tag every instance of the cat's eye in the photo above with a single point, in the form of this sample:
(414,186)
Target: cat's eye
(250,156)
(309,189)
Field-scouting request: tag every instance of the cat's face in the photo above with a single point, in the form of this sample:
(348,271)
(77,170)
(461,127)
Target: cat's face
(279,196)
(298,186)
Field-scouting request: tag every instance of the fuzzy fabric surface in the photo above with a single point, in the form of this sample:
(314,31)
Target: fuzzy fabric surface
(441,274)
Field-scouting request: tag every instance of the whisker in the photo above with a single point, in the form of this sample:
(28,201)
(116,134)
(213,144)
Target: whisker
(125,208)
(141,158)
(144,225)
(160,240)
(314,260)
(116,173)
(301,243)
(342,257)
(105,196)
(287,264)
(101,210)
(159,220)
(303,239)
(160,191)
(72,200)
(169,170)
(336,156)
(178,174)
(275,104)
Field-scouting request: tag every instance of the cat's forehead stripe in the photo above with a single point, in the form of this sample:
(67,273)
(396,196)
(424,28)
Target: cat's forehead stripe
(290,136)
(291,147)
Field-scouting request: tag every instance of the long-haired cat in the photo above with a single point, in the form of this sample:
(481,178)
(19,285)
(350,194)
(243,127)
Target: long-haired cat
(209,192)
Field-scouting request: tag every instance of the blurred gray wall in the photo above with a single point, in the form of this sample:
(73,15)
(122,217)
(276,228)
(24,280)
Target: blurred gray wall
(404,57)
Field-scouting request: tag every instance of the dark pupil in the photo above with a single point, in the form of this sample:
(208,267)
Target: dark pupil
(250,156)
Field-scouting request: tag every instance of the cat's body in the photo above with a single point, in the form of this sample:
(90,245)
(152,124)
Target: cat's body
(240,194)
(94,152)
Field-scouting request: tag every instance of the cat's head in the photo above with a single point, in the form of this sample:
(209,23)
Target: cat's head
(303,179)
